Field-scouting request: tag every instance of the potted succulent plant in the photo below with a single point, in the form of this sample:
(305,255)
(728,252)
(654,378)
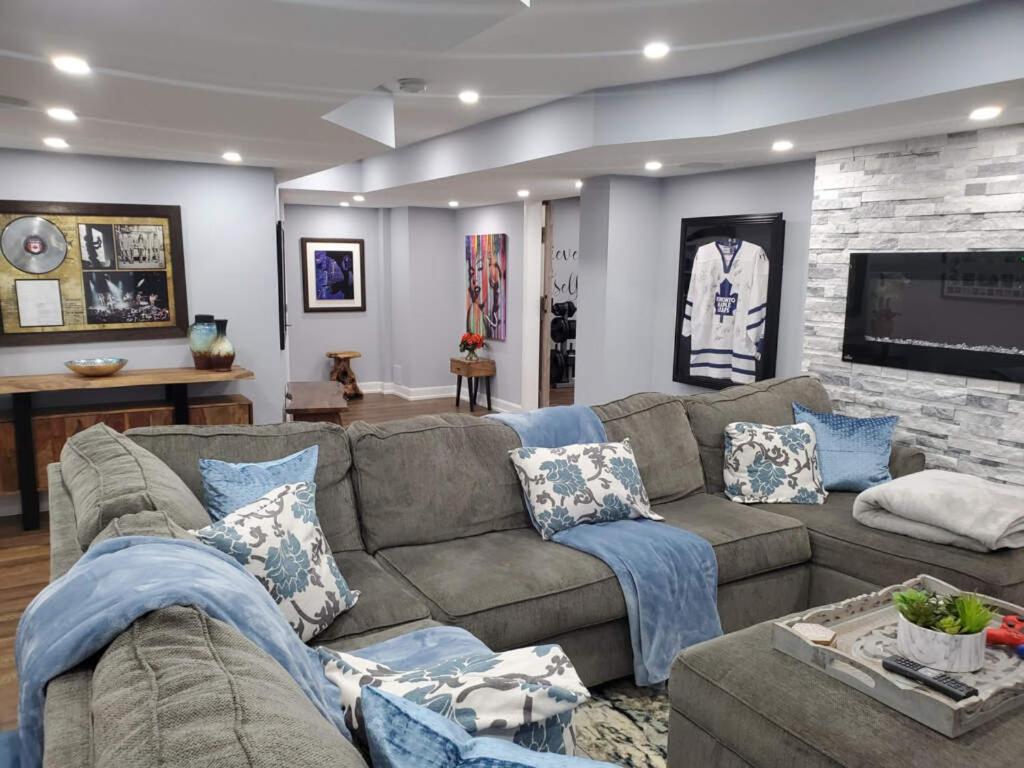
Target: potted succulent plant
(944,632)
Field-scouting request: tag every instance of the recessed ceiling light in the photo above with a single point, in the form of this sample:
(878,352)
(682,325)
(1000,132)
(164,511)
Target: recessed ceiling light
(986,113)
(469,97)
(344,203)
(71,65)
(359,198)
(232,157)
(579,183)
(63,114)
(653,165)
(55,142)
(453,203)
(523,193)
(656,50)
(782,145)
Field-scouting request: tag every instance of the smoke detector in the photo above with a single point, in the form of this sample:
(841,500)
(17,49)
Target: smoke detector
(412,84)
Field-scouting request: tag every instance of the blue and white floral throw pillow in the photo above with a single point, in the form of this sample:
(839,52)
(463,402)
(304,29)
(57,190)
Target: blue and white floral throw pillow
(526,696)
(766,465)
(585,483)
(279,541)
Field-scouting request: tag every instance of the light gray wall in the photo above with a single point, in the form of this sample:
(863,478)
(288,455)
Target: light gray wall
(313,334)
(227,218)
(595,211)
(495,220)
(964,191)
(786,187)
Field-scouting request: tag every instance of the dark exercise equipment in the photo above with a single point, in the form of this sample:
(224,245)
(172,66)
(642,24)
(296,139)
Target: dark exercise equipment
(563,330)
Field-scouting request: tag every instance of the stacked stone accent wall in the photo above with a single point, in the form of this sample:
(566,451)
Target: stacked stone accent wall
(957,192)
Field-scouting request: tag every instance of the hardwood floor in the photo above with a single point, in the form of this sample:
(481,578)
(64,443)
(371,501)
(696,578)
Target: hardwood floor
(563,396)
(25,555)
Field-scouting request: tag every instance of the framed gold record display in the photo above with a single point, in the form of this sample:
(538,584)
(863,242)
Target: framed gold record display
(90,272)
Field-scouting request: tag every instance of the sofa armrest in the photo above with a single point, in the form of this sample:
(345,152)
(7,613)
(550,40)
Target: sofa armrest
(905,460)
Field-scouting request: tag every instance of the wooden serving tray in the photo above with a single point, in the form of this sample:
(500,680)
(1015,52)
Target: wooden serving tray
(866,633)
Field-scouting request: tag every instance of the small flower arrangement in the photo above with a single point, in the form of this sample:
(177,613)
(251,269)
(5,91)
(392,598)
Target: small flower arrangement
(470,343)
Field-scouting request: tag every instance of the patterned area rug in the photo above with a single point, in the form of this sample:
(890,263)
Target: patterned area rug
(624,725)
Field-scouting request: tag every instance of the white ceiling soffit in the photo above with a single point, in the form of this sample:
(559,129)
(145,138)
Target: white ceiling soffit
(187,79)
(953,52)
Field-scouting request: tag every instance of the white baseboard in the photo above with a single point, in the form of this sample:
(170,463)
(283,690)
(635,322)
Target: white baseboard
(434,393)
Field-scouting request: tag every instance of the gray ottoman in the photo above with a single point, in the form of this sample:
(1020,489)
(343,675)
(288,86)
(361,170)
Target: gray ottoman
(738,702)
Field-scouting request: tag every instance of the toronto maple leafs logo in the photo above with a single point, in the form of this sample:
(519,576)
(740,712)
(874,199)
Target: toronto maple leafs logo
(725,301)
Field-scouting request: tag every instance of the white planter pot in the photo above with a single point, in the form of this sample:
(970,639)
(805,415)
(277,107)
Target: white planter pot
(938,650)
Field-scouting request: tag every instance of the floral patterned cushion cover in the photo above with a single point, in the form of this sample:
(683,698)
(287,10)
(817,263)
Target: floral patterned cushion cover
(584,483)
(279,541)
(767,465)
(526,696)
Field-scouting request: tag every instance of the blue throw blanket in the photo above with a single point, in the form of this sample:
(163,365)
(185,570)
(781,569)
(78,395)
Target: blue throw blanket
(668,576)
(555,427)
(119,580)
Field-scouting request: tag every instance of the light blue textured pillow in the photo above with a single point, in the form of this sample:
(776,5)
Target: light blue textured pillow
(227,487)
(402,734)
(853,453)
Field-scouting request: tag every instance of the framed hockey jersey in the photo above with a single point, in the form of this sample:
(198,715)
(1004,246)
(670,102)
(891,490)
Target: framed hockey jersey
(730,284)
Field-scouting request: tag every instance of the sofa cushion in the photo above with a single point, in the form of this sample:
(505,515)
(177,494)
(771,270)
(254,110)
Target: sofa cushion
(773,710)
(434,478)
(767,402)
(108,475)
(666,450)
(181,689)
(747,540)
(228,486)
(772,465)
(385,600)
(881,558)
(510,588)
(183,446)
(147,523)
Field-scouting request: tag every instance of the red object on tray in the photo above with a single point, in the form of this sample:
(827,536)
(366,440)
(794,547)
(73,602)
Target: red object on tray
(1010,632)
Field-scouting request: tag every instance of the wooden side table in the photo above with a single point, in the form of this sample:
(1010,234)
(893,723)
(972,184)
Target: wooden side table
(343,374)
(315,401)
(474,370)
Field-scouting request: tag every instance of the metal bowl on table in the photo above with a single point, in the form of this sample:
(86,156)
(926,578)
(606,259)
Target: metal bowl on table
(96,366)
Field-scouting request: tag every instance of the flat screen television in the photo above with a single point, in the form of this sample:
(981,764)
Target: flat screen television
(955,313)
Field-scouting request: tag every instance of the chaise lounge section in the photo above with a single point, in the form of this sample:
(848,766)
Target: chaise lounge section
(425,517)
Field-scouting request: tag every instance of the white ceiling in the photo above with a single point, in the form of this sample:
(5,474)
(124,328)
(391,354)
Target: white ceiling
(188,79)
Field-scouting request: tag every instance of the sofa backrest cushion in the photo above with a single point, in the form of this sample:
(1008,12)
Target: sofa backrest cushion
(108,475)
(182,690)
(659,431)
(183,446)
(434,478)
(766,402)
(148,523)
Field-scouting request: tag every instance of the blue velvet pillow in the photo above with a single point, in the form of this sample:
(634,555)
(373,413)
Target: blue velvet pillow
(227,487)
(401,734)
(853,453)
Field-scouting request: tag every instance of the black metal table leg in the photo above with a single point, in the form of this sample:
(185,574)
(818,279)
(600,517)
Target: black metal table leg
(178,395)
(487,387)
(24,446)
(474,383)
(458,390)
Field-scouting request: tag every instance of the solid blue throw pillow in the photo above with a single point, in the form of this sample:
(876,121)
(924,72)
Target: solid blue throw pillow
(401,734)
(853,454)
(227,487)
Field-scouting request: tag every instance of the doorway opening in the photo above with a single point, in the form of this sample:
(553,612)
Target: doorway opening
(560,303)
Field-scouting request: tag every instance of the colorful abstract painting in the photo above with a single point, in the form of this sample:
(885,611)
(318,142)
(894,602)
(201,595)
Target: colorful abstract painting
(486,285)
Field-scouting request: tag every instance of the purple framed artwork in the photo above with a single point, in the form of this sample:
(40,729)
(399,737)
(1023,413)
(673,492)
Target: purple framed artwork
(333,275)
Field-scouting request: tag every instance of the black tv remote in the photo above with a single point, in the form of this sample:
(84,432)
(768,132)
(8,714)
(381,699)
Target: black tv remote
(945,684)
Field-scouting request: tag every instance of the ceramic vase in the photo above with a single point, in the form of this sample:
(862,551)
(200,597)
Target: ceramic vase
(222,352)
(200,337)
(938,650)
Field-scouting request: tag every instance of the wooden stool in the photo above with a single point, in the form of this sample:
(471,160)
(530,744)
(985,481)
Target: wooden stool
(343,374)
(315,401)
(474,370)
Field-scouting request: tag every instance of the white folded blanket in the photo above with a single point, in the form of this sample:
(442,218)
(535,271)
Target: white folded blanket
(947,508)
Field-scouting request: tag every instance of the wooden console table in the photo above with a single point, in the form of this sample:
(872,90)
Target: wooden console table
(21,389)
(474,370)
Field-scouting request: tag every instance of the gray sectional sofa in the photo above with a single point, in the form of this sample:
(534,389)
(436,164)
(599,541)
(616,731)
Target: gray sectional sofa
(425,517)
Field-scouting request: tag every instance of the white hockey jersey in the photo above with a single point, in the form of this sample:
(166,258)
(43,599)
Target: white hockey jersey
(725,310)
